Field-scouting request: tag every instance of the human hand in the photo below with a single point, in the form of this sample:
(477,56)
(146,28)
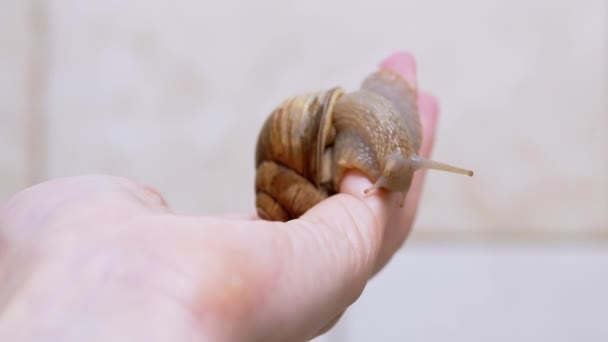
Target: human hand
(101,258)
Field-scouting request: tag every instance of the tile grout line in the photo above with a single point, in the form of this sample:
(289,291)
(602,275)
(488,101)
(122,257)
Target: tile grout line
(589,237)
(605,73)
(36,136)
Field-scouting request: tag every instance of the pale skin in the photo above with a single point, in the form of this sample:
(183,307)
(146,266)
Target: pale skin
(101,258)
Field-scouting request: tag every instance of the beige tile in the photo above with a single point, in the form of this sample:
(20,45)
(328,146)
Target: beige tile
(174,96)
(485,293)
(525,106)
(14,48)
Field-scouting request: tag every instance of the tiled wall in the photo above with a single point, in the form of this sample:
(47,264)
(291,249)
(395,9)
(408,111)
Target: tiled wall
(484,292)
(173,93)
(15,43)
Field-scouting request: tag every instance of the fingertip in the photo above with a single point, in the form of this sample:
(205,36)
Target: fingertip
(352,210)
(404,63)
(355,184)
(338,241)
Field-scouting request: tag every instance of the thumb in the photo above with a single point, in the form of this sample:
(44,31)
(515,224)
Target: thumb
(334,247)
(353,227)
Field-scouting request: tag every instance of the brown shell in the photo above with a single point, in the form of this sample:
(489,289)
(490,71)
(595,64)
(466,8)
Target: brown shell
(289,156)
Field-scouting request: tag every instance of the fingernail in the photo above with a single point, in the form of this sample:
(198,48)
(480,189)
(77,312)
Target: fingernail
(404,63)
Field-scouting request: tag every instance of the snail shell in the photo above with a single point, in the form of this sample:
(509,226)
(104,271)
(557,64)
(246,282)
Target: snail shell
(308,143)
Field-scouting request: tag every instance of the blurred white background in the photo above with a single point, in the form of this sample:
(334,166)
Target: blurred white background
(173,93)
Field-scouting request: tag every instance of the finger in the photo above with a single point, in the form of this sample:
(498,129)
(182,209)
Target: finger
(333,248)
(350,226)
(347,213)
(403,63)
(402,221)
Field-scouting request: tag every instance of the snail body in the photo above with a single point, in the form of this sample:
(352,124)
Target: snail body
(309,142)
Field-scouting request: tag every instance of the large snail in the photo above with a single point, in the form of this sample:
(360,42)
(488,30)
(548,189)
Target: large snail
(309,141)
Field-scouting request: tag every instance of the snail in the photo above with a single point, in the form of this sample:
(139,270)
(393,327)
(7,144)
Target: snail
(308,143)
